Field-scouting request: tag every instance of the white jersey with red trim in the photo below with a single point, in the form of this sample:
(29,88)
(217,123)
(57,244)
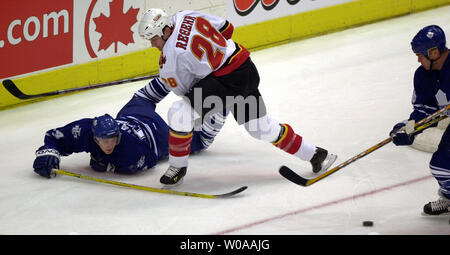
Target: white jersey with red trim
(195,49)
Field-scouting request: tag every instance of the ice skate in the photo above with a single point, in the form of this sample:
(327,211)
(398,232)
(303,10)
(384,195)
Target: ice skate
(438,207)
(173,176)
(322,160)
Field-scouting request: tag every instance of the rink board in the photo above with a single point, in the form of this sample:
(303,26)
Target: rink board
(253,36)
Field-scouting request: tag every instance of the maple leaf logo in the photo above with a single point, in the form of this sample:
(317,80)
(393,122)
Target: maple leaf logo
(117,27)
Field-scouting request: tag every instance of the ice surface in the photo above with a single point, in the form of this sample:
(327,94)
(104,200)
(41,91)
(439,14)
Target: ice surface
(343,91)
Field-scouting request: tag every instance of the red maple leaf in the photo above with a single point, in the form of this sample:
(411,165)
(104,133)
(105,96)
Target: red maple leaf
(117,27)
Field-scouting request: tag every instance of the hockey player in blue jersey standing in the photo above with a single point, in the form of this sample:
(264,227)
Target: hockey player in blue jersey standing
(137,139)
(431,92)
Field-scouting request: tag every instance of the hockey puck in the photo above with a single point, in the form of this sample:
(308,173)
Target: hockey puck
(368,223)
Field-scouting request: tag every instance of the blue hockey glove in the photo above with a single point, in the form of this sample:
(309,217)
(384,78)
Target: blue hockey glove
(401,138)
(46,160)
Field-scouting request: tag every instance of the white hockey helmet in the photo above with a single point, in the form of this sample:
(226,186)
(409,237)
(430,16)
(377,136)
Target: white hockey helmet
(153,22)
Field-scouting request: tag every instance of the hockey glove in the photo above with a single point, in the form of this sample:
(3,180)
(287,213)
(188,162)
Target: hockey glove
(98,165)
(101,166)
(402,137)
(46,160)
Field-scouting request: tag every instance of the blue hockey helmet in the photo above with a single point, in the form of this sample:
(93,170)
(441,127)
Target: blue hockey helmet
(428,38)
(105,127)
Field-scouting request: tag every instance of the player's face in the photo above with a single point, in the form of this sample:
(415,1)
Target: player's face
(107,144)
(157,42)
(433,54)
(424,61)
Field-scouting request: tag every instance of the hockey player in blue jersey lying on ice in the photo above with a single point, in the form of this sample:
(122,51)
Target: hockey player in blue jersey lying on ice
(135,140)
(431,93)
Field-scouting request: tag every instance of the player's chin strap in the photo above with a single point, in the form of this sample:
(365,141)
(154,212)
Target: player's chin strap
(432,61)
(431,65)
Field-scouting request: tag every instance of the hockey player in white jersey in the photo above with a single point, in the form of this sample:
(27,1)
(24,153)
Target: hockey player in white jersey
(202,64)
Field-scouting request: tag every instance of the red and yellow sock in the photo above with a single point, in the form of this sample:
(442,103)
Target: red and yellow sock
(179,143)
(289,141)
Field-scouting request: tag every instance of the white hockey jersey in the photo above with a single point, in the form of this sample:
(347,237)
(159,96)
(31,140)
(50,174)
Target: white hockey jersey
(200,44)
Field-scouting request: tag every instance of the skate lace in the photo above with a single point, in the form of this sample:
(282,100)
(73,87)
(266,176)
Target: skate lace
(172,171)
(440,205)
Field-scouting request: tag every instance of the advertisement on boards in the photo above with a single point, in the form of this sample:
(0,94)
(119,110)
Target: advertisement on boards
(245,12)
(35,35)
(49,34)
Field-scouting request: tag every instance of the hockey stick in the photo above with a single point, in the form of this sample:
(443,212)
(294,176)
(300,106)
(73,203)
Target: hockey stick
(12,88)
(133,186)
(287,173)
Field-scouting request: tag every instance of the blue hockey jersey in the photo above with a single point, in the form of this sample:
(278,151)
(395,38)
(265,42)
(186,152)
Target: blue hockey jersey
(431,91)
(136,150)
(142,143)
(144,138)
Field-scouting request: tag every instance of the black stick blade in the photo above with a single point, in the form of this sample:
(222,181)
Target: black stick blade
(232,193)
(287,173)
(12,88)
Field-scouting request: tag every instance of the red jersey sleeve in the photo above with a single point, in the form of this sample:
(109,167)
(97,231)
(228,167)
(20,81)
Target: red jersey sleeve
(227,30)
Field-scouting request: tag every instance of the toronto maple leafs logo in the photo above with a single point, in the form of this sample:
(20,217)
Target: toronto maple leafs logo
(76,131)
(113,24)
